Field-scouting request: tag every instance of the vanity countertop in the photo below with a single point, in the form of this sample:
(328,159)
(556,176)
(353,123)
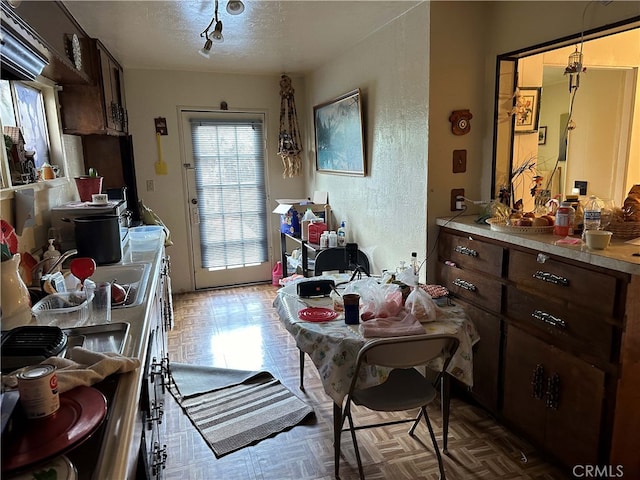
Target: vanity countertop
(619,256)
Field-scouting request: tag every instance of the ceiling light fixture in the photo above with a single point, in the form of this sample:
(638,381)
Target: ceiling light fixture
(235,7)
(206,50)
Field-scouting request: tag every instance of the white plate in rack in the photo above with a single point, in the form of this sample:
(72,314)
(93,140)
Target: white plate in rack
(500,225)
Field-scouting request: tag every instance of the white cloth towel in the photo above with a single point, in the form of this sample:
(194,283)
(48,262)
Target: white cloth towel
(84,367)
(392,327)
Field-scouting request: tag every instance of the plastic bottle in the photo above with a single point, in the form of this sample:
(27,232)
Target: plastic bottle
(342,234)
(307,219)
(592,213)
(565,218)
(51,255)
(333,239)
(414,263)
(324,239)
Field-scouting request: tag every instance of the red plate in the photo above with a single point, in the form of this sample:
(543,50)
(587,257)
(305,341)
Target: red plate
(81,412)
(317,314)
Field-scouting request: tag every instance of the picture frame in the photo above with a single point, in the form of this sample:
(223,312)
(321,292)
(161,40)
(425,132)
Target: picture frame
(339,135)
(542,135)
(527,109)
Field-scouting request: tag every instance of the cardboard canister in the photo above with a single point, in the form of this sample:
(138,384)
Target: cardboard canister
(38,387)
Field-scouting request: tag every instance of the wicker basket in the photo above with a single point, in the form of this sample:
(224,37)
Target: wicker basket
(624,229)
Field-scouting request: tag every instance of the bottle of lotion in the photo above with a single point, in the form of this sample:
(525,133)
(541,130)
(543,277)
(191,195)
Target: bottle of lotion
(51,256)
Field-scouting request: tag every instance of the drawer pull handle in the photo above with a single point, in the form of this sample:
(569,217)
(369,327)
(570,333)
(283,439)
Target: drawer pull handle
(551,278)
(537,382)
(548,318)
(466,251)
(458,282)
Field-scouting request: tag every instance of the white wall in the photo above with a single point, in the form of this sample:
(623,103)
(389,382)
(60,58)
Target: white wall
(386,209)
(152,94)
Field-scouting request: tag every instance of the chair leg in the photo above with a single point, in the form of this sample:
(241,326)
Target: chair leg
(423,410)
(355,442)
(338,421)
(415,424)
(301,370)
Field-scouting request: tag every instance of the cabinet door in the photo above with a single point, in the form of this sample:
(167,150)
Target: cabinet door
(573,427)
(486,356)
(525,384)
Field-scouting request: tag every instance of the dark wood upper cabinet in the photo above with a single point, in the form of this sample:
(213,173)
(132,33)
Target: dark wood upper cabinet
(92,97)
(98,108)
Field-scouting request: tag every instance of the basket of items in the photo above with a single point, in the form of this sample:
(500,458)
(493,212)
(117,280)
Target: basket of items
(625,222)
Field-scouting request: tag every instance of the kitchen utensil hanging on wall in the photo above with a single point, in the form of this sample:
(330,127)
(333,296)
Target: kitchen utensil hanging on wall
(161,129)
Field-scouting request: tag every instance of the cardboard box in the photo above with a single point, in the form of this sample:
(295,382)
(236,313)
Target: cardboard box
(292,210)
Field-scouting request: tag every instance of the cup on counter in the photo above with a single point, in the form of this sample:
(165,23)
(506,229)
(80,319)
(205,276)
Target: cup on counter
(598,239)
(99,294)
(351,308)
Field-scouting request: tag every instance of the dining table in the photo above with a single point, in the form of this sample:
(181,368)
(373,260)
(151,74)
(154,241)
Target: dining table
(333,346)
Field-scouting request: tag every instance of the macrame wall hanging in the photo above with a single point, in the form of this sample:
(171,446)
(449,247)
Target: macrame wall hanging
(289,144)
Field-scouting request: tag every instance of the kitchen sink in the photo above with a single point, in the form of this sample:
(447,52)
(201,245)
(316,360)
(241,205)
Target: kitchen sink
(133,277)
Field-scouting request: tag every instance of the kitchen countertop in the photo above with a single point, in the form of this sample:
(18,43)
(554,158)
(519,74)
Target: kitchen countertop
(619,256)
(122,435)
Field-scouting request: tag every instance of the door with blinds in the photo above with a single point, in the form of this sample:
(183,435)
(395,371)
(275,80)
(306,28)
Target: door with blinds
(226,189)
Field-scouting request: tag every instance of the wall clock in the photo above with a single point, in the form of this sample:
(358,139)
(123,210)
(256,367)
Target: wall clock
(460,121)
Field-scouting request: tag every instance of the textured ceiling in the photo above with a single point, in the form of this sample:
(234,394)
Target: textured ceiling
(268,37)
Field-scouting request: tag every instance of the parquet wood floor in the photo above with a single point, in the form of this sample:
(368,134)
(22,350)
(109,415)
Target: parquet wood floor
(238,328)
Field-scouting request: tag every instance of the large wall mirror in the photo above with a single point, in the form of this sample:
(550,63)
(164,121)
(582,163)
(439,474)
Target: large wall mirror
(560,133)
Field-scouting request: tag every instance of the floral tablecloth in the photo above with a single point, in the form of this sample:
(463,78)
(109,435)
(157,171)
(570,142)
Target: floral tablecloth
(333,346)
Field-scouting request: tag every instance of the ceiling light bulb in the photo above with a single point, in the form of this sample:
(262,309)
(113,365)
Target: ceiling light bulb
(217,33)
(235,7)
(206,50)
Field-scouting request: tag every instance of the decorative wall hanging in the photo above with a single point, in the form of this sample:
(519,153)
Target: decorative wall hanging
(460,121)
(340,135)
(289,143)
(527,109)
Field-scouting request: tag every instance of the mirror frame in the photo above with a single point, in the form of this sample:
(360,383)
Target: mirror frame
(505,85)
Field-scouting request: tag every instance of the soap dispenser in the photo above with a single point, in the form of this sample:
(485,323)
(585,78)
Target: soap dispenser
(51,256)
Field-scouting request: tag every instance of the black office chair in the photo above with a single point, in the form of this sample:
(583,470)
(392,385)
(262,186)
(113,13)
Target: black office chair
(405,389)
(337,259)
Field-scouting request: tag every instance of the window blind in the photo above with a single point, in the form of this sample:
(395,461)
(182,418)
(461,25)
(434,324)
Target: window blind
(230,185)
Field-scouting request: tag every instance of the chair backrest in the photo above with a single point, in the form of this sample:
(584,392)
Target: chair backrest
(407,351)
(335,259)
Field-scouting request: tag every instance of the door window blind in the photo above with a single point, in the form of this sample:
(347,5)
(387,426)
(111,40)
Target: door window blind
(230,185)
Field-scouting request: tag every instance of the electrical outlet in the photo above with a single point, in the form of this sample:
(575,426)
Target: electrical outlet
(455,192)
(150,186)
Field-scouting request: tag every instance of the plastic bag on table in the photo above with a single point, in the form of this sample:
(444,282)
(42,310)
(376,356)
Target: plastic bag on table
(421,305)
(376,300)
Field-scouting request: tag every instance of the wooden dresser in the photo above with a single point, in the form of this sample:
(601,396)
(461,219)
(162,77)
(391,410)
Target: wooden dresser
(559,352)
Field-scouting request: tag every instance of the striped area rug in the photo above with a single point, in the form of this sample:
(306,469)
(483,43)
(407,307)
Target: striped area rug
(235,416)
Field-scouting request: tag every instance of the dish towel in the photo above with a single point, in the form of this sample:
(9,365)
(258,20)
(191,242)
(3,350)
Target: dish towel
(392,327)
(83,367)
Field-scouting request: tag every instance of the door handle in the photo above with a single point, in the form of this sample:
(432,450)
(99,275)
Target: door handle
(194,201)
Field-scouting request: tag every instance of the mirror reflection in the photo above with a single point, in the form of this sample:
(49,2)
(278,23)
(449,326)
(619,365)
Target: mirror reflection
(583,136)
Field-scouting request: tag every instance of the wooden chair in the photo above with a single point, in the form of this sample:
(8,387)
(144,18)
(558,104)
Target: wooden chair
(405,389)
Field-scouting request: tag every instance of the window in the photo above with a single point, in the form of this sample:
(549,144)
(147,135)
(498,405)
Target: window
(24,122)
(230,185)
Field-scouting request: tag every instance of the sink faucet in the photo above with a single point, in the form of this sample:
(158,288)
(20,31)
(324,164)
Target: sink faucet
(38,269)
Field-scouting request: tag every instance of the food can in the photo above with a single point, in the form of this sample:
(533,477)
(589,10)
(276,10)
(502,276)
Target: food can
(38,387)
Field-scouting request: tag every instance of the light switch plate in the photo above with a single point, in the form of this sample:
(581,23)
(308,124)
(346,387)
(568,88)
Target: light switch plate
(459,161)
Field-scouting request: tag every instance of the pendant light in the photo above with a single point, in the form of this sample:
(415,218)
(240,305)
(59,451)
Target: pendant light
(235,7)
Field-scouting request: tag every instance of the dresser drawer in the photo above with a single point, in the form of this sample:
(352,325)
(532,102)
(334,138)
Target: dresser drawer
(585,331)
(475,287)
(588,289)
(467,252)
